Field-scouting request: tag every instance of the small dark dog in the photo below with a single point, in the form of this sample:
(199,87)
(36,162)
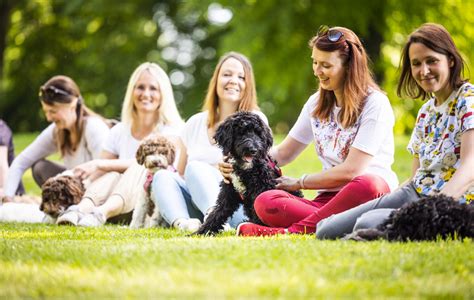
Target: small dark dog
(428,219)
(245,139)
(60,192)
(155,153)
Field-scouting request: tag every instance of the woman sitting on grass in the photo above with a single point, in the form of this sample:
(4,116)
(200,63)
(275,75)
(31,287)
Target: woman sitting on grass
(186,197)
(76,132)
(350,121)
(149,107)
(442,141)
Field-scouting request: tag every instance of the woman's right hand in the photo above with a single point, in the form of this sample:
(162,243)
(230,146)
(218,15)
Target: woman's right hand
(89,170)
(226,170)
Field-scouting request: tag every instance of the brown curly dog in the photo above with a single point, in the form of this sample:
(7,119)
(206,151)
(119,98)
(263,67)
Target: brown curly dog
(60,192)
(154,153)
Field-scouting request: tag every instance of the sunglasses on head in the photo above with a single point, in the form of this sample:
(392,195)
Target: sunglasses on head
(53,94)
(333,35)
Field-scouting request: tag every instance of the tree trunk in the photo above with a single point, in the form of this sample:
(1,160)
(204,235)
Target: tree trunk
(5,10)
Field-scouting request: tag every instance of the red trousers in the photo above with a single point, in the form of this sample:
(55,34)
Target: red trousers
(278,208)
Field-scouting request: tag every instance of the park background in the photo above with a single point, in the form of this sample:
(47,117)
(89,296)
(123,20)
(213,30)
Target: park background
(100,42)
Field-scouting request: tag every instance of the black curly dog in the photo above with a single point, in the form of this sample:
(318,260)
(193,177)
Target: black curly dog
(428,219)
(245,139)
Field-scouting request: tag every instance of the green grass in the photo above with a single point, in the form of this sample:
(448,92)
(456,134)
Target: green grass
(47,261)
(42,261)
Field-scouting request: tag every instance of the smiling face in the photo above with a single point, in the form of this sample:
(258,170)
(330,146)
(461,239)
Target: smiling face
(61,114)
(329,68)
(431,71)
(146,93)
(231,81)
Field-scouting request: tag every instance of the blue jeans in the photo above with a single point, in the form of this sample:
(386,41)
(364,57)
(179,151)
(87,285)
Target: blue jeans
(190,197)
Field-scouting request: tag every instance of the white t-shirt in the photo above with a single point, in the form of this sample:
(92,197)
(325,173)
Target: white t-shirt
(90,146)
(372,134)
(197,142)
(122,143)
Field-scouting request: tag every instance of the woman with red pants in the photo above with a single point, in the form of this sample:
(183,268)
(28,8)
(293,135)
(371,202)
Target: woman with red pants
(351,123)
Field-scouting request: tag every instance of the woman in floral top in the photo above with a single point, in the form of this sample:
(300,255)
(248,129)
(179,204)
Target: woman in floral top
(442,141)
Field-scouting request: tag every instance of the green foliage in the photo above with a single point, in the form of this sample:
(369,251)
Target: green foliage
(99,43)
(47,261)
(405,17)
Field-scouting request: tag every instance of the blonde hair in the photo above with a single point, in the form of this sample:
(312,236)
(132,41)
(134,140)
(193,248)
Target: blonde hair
(358,80)
(249,98)
(167,112)
(62,83)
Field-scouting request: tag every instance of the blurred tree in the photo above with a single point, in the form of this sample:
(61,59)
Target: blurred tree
(5,10)
(275,35)
(404,17)
(99,43)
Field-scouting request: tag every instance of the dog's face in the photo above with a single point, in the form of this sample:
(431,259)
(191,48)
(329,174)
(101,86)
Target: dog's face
(156,153)
(60,192)
(244,137)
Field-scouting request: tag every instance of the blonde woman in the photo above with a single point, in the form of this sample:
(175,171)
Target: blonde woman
(185,198)
(148,107)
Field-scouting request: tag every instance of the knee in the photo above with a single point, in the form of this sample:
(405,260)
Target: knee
(373,185)
(38,166)
(324,229)
(193,169)
(366,220)
(362,223)
(163,177)
(266,200)
(373,218)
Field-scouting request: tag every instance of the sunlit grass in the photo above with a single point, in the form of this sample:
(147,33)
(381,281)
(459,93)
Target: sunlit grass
(48,261)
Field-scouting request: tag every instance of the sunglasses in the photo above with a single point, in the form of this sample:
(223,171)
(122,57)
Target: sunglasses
(333,35)
(54,94)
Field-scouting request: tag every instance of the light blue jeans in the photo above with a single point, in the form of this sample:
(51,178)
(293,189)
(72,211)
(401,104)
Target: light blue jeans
(190,197)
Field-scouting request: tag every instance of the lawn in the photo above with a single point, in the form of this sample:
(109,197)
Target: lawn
(46,261)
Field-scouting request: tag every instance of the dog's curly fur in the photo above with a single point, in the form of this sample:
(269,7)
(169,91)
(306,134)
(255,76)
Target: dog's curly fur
(154,153)
(428,219)
(60,192)
(246,140)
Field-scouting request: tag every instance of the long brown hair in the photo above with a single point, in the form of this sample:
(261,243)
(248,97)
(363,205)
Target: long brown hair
(63,90)
(438,39)
(358,80)
(249,98)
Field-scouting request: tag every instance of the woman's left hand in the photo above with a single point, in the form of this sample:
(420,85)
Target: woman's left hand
(288,183)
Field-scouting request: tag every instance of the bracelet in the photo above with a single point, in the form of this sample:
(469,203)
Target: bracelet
(301,181)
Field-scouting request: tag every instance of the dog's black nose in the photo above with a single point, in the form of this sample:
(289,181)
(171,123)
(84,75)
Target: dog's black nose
(250,151)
